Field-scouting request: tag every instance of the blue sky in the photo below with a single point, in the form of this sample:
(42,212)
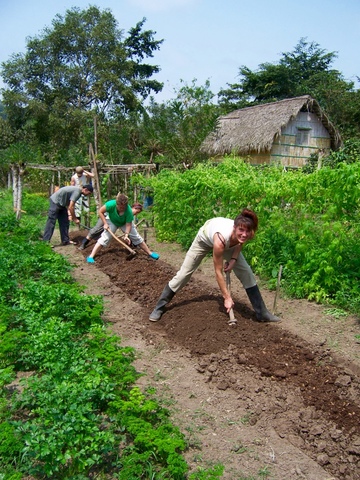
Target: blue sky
(207,39)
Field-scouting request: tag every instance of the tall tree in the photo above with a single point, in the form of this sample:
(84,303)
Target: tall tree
(305,71)
(174,130)
(81,65)
(288,78)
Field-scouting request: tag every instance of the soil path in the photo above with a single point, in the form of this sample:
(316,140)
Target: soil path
(267,401)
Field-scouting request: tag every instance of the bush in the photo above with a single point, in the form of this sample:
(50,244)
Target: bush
(309,223)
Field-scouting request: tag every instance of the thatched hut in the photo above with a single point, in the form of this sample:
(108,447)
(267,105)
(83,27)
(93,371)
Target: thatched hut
(285,133)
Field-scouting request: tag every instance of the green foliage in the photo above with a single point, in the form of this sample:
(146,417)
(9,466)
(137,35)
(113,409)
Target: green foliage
(174,130)
(77,412)
(20,153)
(208,474)
(79,67)
(10,444)
(152,438)
(168,133)
(7,137)
(348,153)
(309,223)
(304,71)
(205,192)
(6,377)
(290,77)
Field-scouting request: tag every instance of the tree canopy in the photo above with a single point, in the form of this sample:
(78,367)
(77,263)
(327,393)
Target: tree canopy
(83,63)
(176,128)
(291,77)
(83,67)
(307,70)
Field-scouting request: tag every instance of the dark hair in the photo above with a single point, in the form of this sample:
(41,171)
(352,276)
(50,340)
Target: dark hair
(138,206)
(89,187)
(248,219)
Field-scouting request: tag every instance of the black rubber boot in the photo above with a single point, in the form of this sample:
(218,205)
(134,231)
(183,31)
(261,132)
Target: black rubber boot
(84,244)
(261,312)
(164,299)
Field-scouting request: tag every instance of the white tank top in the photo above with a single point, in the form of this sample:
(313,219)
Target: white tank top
(79,181)
(219,224)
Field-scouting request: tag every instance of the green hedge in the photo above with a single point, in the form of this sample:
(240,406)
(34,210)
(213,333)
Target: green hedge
(309,223)
(78,411)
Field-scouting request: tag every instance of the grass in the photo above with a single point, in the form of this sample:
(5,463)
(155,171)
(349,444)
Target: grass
(336,313)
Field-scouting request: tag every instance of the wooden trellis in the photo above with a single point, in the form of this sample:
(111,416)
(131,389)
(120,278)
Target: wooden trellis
(118,178)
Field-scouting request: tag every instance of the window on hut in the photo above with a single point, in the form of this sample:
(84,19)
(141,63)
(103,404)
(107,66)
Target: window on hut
(303,136)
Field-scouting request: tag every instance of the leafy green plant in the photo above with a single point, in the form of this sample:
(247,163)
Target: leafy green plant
(309,223)
(336,312)
(208,474)
(264,472)
(77,412)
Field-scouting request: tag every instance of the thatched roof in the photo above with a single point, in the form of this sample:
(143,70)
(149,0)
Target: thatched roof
(254,129)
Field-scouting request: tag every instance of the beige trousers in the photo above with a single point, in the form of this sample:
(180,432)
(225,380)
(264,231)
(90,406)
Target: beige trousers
(196,253)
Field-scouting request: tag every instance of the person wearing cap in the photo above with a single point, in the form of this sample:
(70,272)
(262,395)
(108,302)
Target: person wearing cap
(133,235)
(80,178)
(62,201)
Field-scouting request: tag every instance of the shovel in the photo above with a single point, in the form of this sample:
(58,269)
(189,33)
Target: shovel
(232,319)
(124,244)
(84,226)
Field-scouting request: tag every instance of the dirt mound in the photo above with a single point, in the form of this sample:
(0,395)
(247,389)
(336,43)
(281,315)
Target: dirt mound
(277,386)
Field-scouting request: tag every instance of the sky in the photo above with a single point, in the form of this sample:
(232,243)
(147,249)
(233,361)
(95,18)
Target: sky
(207,40)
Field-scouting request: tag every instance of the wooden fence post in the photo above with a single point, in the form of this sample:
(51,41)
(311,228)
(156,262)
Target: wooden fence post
(97,190)
(17,174)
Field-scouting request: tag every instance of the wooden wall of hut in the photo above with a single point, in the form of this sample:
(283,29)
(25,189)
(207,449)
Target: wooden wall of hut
(303,136)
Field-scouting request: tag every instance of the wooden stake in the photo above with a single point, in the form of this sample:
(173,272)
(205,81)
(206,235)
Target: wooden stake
(232,319)
(277,288)
(96,178)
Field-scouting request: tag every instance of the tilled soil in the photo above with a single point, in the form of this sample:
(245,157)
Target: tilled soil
(257,397)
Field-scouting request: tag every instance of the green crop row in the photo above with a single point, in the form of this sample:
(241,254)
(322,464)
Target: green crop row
(308,223)
(69,405)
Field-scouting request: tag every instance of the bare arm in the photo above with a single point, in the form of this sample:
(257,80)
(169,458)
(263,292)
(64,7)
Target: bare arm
(88,174)
(218,259)
(127,231)
(102,212)
(71,211)
(236,252)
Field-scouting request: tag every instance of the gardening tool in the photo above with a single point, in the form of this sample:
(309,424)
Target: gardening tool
(277,288)
(232,319)
(84,226)
(140,222)
(124,244)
